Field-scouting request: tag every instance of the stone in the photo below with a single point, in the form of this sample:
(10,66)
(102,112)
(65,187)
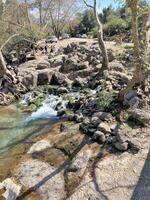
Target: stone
(43,65)
(78,82)
(44,76)
(117,66)
(134,145)
(78,117)
(62,90)
(76,169)
(141,116)
(30,81)
(12,189)
(111,55)
(95,121)
(56,61)
(99,137)
(104,127)
(104,116)
(48,181)
(122,132)
(39,146)
(85,125)
(58,79)
(120,76)
(121,146)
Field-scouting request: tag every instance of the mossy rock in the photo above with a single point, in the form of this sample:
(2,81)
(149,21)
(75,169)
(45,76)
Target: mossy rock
(33,108)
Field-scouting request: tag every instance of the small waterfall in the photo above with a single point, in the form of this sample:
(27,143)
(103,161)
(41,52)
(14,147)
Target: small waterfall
(48,109)
(26,99)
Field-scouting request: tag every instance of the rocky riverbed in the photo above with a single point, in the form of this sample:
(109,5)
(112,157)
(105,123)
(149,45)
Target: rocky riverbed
(97,148)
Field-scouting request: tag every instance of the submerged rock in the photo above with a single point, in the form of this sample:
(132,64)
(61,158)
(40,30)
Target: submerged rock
(12,189)
(39,146)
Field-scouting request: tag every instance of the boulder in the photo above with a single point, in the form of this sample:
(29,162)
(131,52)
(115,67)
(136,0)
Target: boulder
(104,127)
(58,79)
(104,116)
(44,77)
(99,137)
(121,146)
(95,121)
(117,66)
(30,81)
(78,117)
(56,61)
(39,146)
(71,64)
(78,82)
(122,77)
(111,55)
(141,116)
(43,65)
(62,90)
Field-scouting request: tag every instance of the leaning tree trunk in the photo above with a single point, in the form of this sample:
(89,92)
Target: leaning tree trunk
(137,77)
(3,66)
(105,62)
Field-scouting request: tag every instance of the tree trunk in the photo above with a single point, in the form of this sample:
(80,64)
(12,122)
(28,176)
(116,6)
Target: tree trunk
(3,68)
(138,76)
(105,62)
(27,15)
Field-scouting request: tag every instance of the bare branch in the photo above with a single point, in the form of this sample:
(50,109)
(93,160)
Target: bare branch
(15,35)
(88,5)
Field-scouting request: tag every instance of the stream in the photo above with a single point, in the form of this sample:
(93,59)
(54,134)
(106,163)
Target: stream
(17,130)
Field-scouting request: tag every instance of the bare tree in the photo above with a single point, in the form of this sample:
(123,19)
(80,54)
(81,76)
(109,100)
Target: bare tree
(3,66)
(105,63)
(138,75)
(59,15)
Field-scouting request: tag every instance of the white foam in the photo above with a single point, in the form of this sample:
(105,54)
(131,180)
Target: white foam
(48,109)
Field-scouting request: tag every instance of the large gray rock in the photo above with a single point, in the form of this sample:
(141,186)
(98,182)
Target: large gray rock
(99,137)
(44,76)
(104,127)
(30,81)
(71,64)
(121,146)
(104,116)
(43,65)
(59,79)
(39,146)
(140,116)
(48,181)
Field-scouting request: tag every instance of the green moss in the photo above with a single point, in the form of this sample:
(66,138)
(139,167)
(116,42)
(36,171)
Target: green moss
(33,107)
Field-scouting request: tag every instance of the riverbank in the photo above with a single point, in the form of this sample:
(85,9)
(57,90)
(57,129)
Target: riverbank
(71,138)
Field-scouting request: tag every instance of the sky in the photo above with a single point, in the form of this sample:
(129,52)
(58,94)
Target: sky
(104,4)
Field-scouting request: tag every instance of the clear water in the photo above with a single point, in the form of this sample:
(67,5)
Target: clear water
(17,130)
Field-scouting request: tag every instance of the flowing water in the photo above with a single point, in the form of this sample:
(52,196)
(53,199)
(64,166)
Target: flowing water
(18,128)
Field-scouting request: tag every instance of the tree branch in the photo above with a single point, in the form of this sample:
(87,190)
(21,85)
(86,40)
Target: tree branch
(15,35)
(88,5)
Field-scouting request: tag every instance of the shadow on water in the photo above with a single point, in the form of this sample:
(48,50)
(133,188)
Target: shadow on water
(142,189)
(37,129)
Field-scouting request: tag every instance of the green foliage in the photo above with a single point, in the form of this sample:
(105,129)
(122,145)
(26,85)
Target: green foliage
(86,24)
(104,99)
(93,32)
(115,25)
